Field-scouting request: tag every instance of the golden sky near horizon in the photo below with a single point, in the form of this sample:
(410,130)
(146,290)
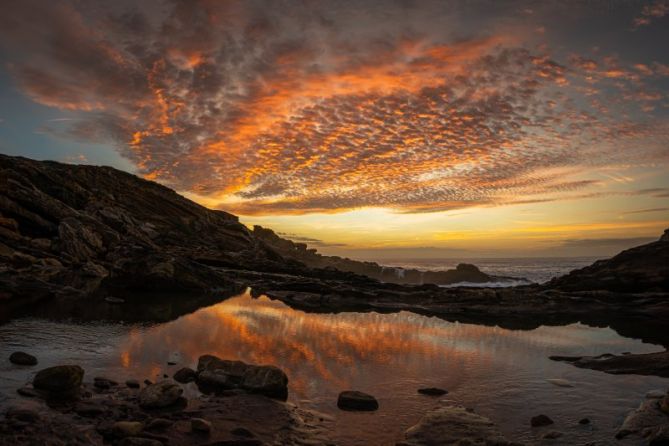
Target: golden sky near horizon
(477,128)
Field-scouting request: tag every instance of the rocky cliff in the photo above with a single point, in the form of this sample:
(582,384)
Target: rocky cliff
(639,269)
(68,229)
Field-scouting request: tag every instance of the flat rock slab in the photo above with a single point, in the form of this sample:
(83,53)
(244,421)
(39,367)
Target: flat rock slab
(641,364)
(454,425)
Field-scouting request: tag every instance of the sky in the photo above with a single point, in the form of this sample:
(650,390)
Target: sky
(365,128)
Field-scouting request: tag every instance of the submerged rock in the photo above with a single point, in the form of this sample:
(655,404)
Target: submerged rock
(60,380)
(354,400)
(266,380)
(162,394)
(432,391)
(219,375)
(453,425)
(22,358)
(540,420)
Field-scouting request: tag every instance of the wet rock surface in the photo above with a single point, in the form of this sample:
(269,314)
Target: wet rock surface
(217,375)
(59,381)
(454,425)
(353,400)
(638,364)
(648,422)
(118,416)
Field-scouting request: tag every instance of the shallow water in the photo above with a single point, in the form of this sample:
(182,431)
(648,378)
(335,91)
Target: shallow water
(500,373)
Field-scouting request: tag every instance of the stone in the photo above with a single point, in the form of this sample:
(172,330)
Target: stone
(185,375)
(27,391)
(22,358)
(162,394)
(127,428)
(454,425)
(353,400)
(215,381)
(139,441)
(584,421)
(148,382)
(200,425)
(540,420)
(89,409)
(59,380)
(266,380)
(159,424)
(432,391)
(132,383)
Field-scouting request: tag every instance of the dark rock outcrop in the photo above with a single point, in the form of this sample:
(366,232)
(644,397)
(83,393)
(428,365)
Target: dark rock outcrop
(640,269)
(68,229)
(638,364)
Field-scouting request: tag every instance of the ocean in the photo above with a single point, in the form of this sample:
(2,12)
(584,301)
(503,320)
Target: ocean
(534,269)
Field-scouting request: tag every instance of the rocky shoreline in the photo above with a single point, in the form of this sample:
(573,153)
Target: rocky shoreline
(90,239)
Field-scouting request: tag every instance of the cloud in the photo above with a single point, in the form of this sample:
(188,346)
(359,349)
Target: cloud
(614,244)
(651,12)
(646,211)
(309,240)
(263,109)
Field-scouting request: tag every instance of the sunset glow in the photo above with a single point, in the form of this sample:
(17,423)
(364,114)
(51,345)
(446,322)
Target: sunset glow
(477,128)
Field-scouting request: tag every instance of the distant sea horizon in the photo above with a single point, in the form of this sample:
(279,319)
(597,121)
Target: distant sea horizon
(534,269)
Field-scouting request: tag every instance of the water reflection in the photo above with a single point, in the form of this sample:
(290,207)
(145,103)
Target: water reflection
(500,372)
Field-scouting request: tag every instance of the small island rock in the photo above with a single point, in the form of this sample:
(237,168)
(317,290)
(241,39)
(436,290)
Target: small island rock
(354,400)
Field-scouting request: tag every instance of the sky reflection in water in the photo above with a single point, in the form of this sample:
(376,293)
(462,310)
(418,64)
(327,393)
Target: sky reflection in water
(502,373)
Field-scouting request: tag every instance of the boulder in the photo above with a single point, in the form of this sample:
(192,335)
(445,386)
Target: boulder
(356,401)
(213,381)
(162,394)
(60,380)
(266,380)
(22,358)
(453,425)
(185,375)
(540,420)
